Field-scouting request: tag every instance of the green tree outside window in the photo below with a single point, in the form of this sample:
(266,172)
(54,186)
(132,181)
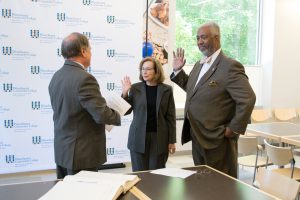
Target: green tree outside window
(238,20)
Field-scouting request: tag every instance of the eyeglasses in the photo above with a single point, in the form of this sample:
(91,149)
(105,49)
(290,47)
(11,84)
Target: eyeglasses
(147,69)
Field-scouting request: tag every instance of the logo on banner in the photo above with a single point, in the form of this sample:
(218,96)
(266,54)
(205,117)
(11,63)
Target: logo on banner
(8,123)
(110,151)
(61,16)
(59,52)
(86,2)
(7,87)
(35,69)
(110,86)
(87,34)
(35,105)
(34,33)
(36,139)
(110,19)
(6,50)
(6,13)
(10,158)
(110,52)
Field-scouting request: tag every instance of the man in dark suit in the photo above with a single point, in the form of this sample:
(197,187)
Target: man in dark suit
(79,111)
(219,102)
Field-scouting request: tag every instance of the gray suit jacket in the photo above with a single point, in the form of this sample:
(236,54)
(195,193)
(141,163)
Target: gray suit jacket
(79,114)
(223,97)
(165,113)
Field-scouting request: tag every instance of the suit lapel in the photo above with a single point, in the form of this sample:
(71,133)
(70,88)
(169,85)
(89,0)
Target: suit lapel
(193,79)
(209,72)
(160,90)
(142,89)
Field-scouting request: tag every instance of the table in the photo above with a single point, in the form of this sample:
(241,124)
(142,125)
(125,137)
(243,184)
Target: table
(275,130)
(206,184)
(294,140)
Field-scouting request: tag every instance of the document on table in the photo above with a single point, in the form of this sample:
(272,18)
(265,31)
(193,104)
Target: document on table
(173,172)
(91,186)
(117,103)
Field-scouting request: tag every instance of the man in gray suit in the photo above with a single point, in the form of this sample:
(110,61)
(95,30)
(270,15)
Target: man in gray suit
(79,111)
(219,102)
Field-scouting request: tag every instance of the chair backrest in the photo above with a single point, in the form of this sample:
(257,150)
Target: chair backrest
(277,184)
(279,155)
(247,145)
(283,114)
(261,115)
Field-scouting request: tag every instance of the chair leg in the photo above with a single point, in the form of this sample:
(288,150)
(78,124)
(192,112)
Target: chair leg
(254,174)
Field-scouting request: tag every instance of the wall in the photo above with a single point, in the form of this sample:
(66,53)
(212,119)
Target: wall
(285,84)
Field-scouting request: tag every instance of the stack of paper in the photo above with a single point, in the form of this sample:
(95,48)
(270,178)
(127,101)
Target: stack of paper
(91,186)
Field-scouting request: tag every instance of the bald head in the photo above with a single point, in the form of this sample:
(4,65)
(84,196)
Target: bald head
(72,45)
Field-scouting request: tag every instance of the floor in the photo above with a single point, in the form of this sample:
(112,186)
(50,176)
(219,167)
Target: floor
(179,160)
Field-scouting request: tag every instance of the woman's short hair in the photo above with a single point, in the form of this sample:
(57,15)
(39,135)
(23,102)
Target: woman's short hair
(71,46)
(159,76)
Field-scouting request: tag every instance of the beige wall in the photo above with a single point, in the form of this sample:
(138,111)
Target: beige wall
(286,68)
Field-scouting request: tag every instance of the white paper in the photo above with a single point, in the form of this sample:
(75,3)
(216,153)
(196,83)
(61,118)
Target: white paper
(79,190)
(120,178)
(90,186)
(173,172)
(117,103)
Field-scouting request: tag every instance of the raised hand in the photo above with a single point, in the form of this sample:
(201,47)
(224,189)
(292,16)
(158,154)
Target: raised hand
(178,59)
(126,85)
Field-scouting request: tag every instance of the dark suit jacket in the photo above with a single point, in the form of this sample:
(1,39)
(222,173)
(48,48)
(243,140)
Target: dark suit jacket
(223,97)
(165,113)
(79,114)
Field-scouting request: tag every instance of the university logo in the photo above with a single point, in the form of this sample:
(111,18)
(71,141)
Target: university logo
(35,69)
(35,105)
(7,87)
(59,52)
(10,158)
(86,2)
(110,86)
(6,13)
(34,33)
(8,123)
(36,139)
(6,50)
(87,34)
(110,52)
(61,16)
(110,151)
(110,19)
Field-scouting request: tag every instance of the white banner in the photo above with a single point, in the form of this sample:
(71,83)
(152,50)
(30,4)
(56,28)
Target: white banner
(30,38)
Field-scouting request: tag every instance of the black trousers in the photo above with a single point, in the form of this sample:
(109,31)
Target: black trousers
(150,159)
(61,172)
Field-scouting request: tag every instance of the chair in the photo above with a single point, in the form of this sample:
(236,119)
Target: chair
(261,115)
(277,185)
(249,149)
(282,156)
(282,114)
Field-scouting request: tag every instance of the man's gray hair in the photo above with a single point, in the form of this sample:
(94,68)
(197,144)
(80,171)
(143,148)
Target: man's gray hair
(214,28)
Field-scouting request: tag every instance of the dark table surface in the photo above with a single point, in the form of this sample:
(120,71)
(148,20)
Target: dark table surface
(207,184)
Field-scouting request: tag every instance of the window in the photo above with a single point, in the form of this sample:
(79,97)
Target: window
(238,20)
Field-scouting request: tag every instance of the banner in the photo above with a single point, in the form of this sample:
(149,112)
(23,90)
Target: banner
(30,37)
